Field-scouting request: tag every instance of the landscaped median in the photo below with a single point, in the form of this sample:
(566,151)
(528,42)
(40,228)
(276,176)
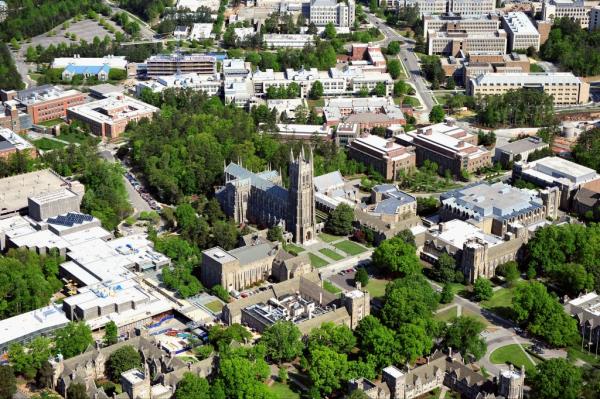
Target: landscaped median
(513,354)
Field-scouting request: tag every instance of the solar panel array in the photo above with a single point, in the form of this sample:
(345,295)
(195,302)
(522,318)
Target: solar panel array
(70,219)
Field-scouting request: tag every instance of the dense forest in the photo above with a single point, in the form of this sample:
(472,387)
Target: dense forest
(28,18)
(9,76)
(575,49)
(181,152)
(147,9)
(587,150)
(515,108)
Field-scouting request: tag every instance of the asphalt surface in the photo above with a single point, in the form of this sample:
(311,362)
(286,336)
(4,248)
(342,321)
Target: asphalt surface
(408,58)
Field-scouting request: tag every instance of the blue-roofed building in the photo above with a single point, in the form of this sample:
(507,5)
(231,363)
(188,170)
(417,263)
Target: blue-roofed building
(494,207)
(101,72)
(260,198)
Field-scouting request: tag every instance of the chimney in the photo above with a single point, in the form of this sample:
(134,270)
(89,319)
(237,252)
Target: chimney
(389,144)
(441,227)
(461,144)
(428,131)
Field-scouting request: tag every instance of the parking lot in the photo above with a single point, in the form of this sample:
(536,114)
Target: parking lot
(142,192)
(344,279)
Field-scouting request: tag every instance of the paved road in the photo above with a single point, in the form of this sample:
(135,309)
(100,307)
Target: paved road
(146,31)
(409,59)
(136,201)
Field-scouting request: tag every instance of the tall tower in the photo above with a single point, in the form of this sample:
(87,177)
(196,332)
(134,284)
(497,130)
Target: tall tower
(301,198)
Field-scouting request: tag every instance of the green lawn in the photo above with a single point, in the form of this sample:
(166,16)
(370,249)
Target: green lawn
(317,261)
(51,122)
(514,355)
(536,68)
(447,315)
(574,352)
(46,144)
(408,101)
(283,391)
(328,285)
(331,254)
(349,247)
(72,137)
(441,98)
(214,306)
(376,287)
(500,302)
(467,312)
(315,103)
(293,249)
(329,237)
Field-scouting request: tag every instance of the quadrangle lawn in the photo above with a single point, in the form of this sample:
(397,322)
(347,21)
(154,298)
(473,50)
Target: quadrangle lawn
(329,237)
(214,306)
(349,247)
(283,391)
(500,302)
(447,315)
(331,254)
(514,355)
(330,287)
(376,287)
(317,261)
(46,144)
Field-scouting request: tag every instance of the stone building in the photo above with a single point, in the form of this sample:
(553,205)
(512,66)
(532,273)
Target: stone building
(260,198)
(586,309)
(440,370)
(161,372)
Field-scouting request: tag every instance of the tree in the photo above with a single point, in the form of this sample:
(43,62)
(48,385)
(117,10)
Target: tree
(397,256)
(220,292)
(587,149)
(225,235)
(400,88)
(543,315)
(436,115)
(337,337)
(380,89)
(282,374)
(447,294)
(482,289)
(77,391)
(192,386)
(358,394)
(361,277)
(450,84)
(394,68)
(393,48)
(8,382)
(378,343)
(45,375)
(510,271)
(327,369)
(275,233)
(409,300)
(556,378)
(444,270)
(330,32)
(242,377)
(111,336)
(340,221)
(282,341)
(463,335)
(407,236)
(73,339)
(121,360)
(316,90)
(312,29)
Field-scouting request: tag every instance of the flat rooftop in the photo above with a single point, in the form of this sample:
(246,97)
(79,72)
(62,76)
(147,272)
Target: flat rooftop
(457,232)
(522,79)
(15,190)
(519,23)
(23,325)
(14,140)
(523,145)
(498,200)
(553,169)
(113,109)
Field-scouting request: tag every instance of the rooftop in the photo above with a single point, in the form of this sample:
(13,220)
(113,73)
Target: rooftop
(257,180)
(523,145)
(113,109)
(13,140)
(457,232)
(251,253)
(46,318)
(521,79)
(39,94)
(519,22)
(180,57)
(497,200)
(113,61)
(556,169)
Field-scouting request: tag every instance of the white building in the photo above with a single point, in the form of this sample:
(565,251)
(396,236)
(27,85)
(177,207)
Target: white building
(113,61)
(244,33)
(521,32)
(201,31)
(576,9)
(291,131)
(274,40)
(210,84)
(462,7)
(323,12)
(236,67)
(566,88)
(452,43)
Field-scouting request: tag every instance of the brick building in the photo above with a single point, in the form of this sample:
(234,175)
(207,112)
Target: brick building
(45,103)
(385,156)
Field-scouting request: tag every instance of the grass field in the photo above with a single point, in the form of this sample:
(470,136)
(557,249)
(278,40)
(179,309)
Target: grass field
(328,285)
(283,391)
(293,249)
(315,103)
(467,312)
(376,287)
(441,98)
(77,138)
(350,247)
(329,237)
(46,144)
(331,254)
(447,315)
(214,306)
(51,122)
(408,100)
(500,302)
(514,355)
(317,261)
(536,68)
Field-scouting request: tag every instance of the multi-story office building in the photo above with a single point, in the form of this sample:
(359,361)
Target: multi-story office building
(452,43)
(449,146)
(385,156)
(594,18)
(425,6)
(521,32)
(109,117)
(44,103)
(566,88)
(275,40)
(451,22)
(170,64)
(576,9)
(471,7)
(210,84)
(364,112)
(323,12)
(11,142)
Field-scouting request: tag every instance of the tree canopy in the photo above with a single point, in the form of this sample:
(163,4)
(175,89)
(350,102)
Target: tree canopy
(282,341)
(516,108)
(192,387)
(556,378)
(73,339)
(587,150)
(340,221)
(463,335)
(397,256)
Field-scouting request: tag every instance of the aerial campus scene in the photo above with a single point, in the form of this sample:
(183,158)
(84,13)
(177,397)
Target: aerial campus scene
(286,199)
